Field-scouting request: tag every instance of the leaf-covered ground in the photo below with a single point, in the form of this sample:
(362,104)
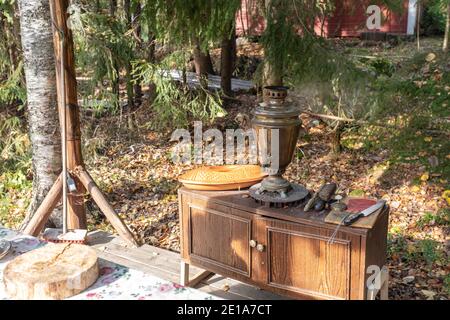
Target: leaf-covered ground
(131,163)
(141,183)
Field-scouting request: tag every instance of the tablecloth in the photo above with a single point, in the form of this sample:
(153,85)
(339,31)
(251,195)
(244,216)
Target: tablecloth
(115,282)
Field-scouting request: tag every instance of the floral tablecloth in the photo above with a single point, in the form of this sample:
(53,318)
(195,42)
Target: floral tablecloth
(115,282)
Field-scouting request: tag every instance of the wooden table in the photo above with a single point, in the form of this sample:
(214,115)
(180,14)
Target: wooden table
(286,251)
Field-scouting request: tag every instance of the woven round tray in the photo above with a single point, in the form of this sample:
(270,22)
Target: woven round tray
(230,177)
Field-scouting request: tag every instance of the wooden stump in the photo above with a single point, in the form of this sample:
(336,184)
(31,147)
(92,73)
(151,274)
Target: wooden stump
(55,271)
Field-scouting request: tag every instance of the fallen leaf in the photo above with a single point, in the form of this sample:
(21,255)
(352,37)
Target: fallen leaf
(428,294)
(425,176)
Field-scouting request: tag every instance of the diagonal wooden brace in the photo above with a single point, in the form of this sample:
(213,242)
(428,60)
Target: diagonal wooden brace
(104,205)
(40,217)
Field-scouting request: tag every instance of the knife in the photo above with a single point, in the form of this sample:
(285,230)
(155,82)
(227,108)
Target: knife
(355,216)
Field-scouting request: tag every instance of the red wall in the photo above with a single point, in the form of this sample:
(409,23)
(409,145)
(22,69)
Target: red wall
(348,21)
(248,20)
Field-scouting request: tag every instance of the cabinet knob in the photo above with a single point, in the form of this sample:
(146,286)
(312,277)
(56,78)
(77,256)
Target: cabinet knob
(253,243)
(260,247)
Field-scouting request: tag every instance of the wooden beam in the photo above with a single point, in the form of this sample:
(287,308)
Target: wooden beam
(104,206)
(76,210)
(40,217)
(199,277)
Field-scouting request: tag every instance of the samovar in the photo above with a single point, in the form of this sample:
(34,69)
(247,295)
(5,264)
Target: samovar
(276,121)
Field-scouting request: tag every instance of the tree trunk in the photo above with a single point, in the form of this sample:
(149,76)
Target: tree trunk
(336,146)
(115,82)
(12,34)
(419,13)
(151,48)
(272,75)
(129,85)
(447,30)
(227,61)
(137,34)
(272,72)
(16,29)
(203,65)
(37,45)
(209,64)
(112,7)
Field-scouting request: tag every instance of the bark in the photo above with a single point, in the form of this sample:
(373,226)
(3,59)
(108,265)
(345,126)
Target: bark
(336,147)
(112,7)
(419,13)
(11,38)
(151,48)
(227,61)
(16,29)
(447,30)
(39,65)
(209,64)
(12,33)
(137,34)
(129,85)
(203,65)
(272,75)
(272,72)
(114,82)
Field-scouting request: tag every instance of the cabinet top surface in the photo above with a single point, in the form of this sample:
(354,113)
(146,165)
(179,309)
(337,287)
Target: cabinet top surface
(242,201)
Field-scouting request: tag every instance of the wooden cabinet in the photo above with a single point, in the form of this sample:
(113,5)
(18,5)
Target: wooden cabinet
(286,251)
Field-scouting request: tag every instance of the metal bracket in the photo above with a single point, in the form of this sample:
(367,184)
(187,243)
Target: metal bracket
(71,185)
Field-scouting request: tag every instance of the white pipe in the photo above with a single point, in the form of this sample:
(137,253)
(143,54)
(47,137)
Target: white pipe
(412,16)
(63,134)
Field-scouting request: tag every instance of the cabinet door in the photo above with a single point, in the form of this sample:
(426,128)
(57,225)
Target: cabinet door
(301,260)
(218,238)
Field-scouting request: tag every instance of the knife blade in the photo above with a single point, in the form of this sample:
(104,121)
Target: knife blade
(364,213)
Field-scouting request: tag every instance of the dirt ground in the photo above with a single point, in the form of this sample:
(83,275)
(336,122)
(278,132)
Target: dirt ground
(141,182)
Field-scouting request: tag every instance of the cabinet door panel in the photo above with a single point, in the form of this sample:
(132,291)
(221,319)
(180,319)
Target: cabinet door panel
(220,239)
(301,259)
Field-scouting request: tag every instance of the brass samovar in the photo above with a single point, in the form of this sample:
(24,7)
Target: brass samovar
(276,122)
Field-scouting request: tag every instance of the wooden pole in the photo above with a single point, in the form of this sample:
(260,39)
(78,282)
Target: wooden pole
(76,210)
(40,217)
(105,207)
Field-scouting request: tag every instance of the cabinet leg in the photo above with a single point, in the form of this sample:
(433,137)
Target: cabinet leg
(184,273)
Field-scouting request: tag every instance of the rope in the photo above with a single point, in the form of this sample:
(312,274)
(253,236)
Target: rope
(333,235)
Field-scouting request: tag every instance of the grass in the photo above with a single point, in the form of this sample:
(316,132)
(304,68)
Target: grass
(15,166)
(412,108)
(423,251)
(441,218)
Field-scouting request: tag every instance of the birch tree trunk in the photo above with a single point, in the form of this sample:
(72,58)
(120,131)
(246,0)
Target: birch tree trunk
(39,65)
(447,30)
